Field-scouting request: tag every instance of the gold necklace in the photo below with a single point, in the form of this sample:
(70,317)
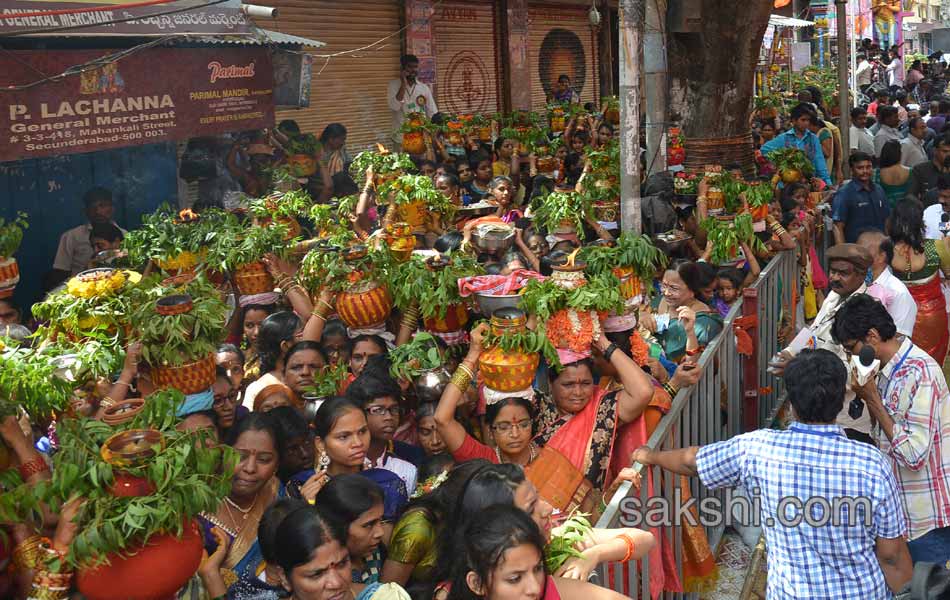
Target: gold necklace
(228,503)
(532,454)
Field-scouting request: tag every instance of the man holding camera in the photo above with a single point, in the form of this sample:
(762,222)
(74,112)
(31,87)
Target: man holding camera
(847,268)
(408,95)
(908,402)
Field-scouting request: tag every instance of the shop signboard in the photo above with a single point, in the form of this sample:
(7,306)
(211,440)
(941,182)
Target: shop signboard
(115,17)
(155,95)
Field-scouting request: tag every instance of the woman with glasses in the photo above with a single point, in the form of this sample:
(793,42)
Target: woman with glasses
(681,324)
(226,402)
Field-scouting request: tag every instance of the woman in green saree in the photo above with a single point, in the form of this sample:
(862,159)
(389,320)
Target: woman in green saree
(681,324)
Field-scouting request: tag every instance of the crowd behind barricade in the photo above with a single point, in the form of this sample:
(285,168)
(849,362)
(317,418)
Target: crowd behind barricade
(426,372)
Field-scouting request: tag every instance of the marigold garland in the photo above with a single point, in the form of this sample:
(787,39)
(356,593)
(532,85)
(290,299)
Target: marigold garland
(639,348)
(96,284)
(574,330)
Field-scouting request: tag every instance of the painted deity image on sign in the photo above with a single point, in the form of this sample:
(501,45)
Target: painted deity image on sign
(562,53)
(466,84)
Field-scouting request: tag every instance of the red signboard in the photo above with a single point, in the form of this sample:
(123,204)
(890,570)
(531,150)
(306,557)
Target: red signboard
(114,17)
(152,96)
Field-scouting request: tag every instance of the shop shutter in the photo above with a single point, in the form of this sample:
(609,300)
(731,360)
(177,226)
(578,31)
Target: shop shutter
(466,58)
(350,89)
(562,41)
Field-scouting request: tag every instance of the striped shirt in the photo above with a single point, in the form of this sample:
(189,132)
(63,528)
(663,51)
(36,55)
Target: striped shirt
(806,471)
(914,393)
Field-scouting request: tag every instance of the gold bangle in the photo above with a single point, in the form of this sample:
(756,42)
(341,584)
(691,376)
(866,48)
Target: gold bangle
(461,380)
(26,556)
(670,389)
(327,304)
(107,402)
(779,231)
(319,316)
(468,371)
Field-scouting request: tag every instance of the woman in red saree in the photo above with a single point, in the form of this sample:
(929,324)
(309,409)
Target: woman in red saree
(918,262)
(580,420)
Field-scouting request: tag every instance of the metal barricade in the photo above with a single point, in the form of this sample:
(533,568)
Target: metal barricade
(710,411)
(778,293)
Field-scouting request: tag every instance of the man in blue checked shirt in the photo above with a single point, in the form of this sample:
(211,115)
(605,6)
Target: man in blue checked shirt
(799,136)
(857,551)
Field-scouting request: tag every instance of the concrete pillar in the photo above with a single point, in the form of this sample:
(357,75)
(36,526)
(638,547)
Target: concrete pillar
(519,72)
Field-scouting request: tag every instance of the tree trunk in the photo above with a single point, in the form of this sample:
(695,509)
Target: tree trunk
(711,77)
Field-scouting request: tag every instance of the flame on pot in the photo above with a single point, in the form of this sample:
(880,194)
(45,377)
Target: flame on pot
(187,216)
(570,258)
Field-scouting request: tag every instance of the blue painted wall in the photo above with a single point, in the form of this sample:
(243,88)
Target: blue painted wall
(50,191)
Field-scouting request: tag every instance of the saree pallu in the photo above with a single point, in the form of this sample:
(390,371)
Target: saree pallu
(244,559)
(930,329)
(585,438)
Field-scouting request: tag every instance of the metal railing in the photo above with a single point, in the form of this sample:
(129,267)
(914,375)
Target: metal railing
(708,412)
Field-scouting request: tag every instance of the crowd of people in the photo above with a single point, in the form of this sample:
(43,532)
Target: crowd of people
(379,493)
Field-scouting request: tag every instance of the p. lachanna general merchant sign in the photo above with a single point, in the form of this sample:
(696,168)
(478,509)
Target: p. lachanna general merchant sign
(156,95)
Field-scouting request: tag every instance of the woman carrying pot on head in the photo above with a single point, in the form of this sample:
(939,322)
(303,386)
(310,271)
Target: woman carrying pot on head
(578,419)
(681,324)
(356,504)
(251,317)
(278,333)
(314,563)
(341,443)
(253,487)
(413,549)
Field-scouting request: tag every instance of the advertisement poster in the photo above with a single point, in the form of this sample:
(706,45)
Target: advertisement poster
(155,95)
(118,18)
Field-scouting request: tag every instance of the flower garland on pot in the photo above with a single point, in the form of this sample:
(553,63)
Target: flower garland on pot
(176,242)
(11,236)
(95,304)
(572,306)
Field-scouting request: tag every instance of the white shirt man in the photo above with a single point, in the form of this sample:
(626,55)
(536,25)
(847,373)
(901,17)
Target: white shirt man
(408,95)
(912,147)
(895,72)
(862,76)
(889,290)
(75,250)
(860,140)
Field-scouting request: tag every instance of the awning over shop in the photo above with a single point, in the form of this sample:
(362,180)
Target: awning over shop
(780,21)
(258,37)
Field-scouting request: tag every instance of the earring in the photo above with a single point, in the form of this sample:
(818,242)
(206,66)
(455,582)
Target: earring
(323,463)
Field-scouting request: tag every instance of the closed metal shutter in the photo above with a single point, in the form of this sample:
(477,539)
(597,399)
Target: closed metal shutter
(562,41)
(350,89)
(466,58)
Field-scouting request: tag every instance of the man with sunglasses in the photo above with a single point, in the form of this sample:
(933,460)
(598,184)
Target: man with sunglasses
(847,269)
(908,402)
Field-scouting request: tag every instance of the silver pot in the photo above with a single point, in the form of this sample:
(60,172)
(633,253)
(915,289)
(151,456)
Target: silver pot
(487,305)
(311,404)
(493,241)
(430,384)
